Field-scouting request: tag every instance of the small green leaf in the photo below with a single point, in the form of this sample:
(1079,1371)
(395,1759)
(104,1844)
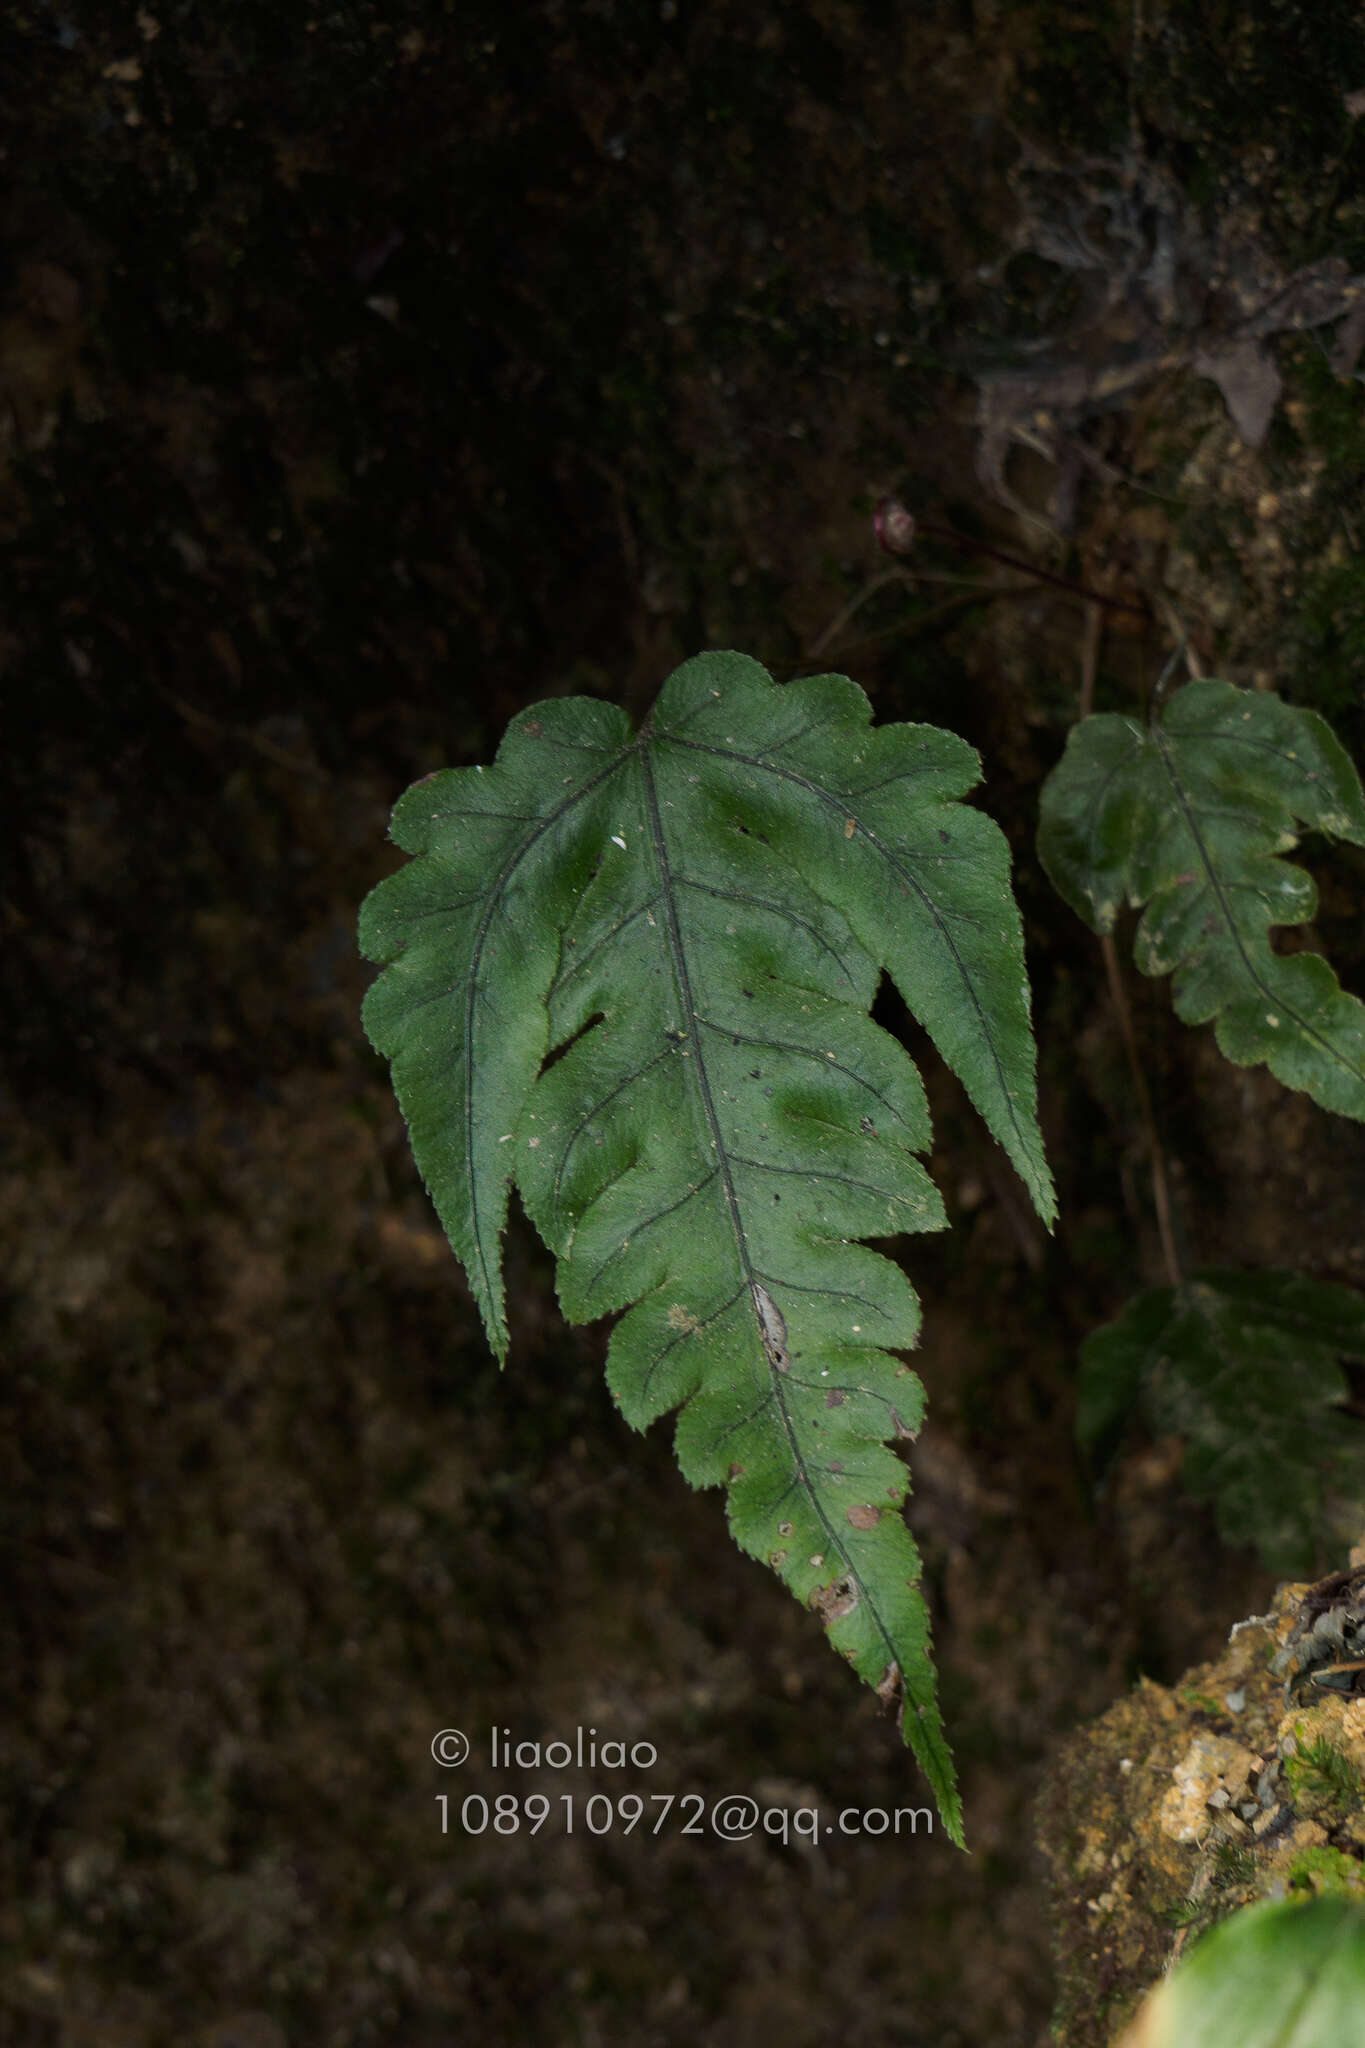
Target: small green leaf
(1189,818)
(1272,1976)
(1246,1367)
(633,974)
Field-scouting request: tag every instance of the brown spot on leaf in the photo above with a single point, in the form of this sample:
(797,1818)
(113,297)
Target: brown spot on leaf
(835,1398)
(834,1601)
(864,1516)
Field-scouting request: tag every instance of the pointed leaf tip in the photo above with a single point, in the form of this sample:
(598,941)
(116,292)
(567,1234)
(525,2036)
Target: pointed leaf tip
(632,974)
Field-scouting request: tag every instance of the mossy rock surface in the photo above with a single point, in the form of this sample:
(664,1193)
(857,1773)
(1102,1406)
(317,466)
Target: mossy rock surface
(1182,1804)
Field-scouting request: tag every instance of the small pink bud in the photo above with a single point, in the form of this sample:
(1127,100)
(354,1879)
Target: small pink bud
(894,527)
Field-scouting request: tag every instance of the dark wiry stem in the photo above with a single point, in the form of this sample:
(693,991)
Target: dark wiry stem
(897,529)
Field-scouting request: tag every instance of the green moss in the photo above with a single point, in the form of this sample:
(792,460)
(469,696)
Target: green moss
(1233,1867)
(1321,1775)
(1232,1873)
(1327,1871)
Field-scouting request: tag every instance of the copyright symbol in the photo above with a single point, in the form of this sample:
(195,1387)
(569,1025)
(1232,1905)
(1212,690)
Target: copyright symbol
(733,1817)
(450,1748)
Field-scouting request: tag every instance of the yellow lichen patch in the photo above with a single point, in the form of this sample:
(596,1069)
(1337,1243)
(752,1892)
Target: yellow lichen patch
(1176,1807)
(1212,1764)
(1327,1718)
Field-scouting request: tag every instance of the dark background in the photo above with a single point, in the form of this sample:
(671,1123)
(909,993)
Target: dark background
(366,374)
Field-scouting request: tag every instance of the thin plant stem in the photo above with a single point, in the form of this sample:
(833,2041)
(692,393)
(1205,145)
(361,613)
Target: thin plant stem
(1155,1156)
(1178,628)
(1090,658)
(854,605)
(982,547)
(969,592)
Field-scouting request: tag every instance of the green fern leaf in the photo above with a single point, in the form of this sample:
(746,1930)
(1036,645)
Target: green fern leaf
(1188,818)
(693,921)
(1246,1367)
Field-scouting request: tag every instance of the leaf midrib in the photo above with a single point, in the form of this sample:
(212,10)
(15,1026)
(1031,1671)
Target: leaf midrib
(838,804)
(492,1282)
(692,1021)
(1165,748)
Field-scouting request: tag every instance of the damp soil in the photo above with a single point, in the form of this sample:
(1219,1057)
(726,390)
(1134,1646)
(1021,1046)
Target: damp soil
(367,376)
